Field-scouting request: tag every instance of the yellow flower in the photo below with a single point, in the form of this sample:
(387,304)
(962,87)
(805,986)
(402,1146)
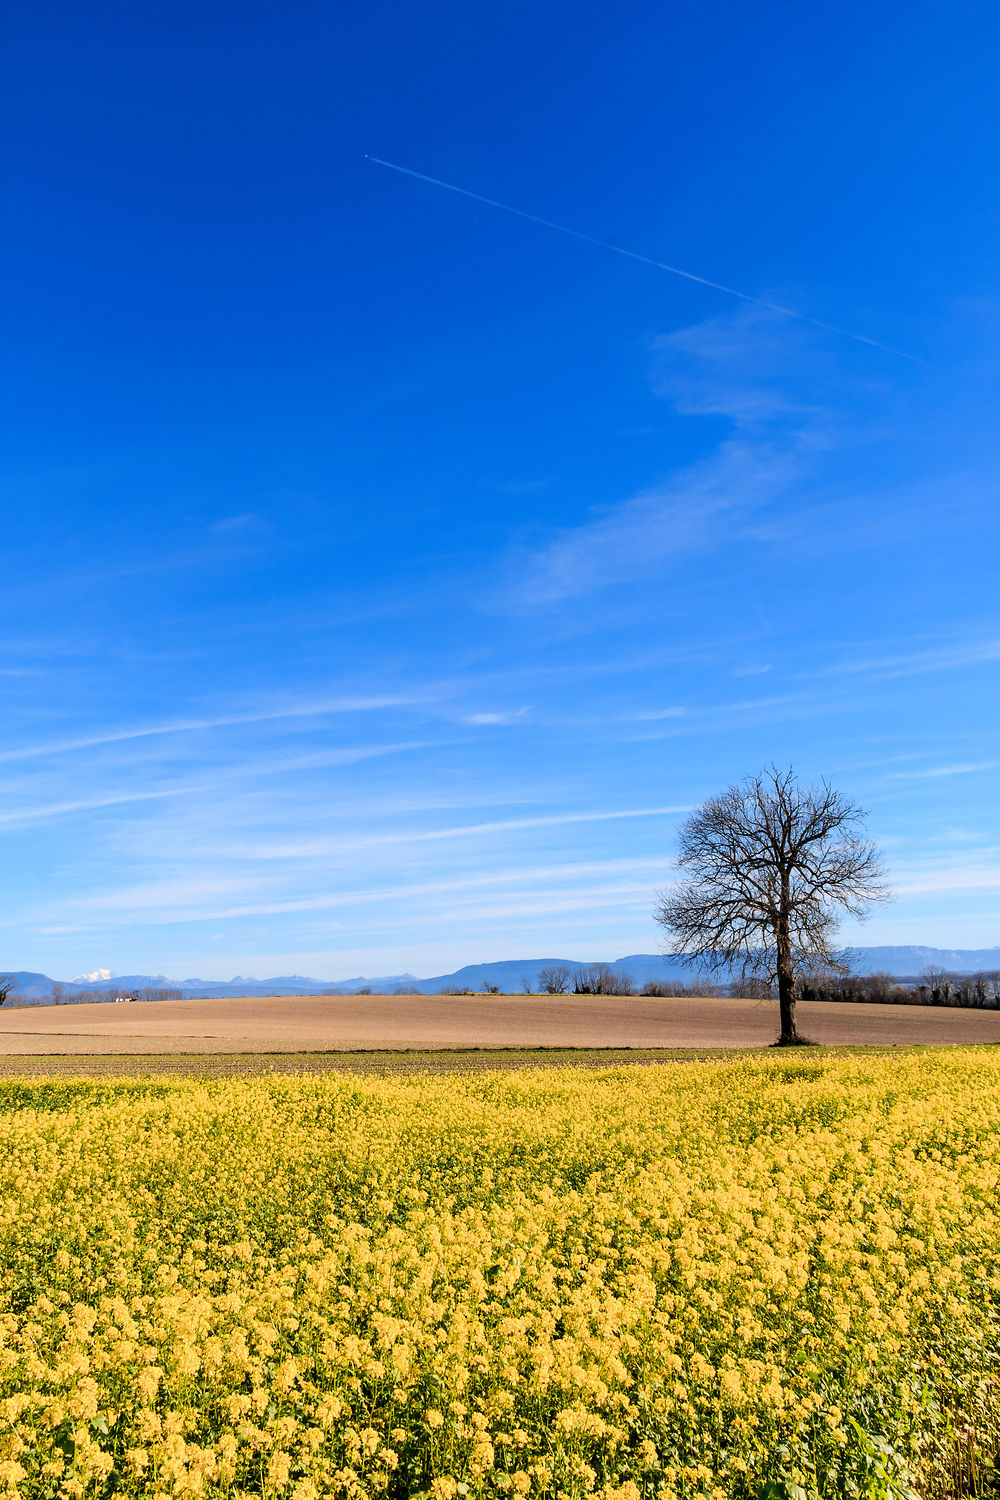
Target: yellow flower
(278,1469)
(510,1282)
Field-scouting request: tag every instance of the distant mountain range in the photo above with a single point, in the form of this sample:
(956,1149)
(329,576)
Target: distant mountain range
(512,975)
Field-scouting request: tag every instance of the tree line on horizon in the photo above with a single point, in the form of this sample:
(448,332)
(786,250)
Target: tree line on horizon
(935,986)
(61,994)
(980,991)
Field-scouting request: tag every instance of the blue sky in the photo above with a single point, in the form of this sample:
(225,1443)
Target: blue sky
(385,575)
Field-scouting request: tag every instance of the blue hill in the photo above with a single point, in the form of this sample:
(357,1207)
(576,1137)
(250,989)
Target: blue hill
(512,975)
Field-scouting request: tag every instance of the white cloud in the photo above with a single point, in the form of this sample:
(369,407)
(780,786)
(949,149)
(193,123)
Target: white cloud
(635,539)
(327,846)
(974,652)
(652,714)
(739,368)
(45,811)
(934,881)
(932,772)
(302,709)
(247,521)
(219,898)
(510,717)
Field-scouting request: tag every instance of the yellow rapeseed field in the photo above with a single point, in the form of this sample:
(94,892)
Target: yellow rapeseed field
(776,1278)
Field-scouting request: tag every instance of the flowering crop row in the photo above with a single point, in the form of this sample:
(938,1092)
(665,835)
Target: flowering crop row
(774,1279)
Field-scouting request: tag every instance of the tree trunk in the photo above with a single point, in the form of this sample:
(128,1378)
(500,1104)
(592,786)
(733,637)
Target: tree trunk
(786,984)
(786,1007)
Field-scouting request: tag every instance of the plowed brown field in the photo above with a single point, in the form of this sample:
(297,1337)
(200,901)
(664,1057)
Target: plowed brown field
(320,1023)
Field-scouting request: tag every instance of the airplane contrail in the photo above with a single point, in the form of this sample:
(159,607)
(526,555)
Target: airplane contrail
(660,265)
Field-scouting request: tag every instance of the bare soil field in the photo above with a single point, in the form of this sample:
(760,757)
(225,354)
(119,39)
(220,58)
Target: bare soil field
(434,1023)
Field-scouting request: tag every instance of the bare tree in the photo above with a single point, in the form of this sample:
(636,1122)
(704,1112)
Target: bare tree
(766,867)
(8,984)
(107,996)
(752,986)
(555,980)
(939,984)
(676,988)
(601,979)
